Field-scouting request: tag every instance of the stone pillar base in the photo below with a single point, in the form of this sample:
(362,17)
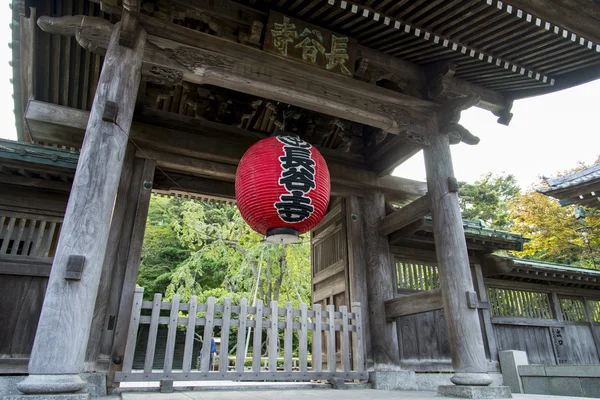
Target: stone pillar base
(73,396)
(63,383)
(472,379)
(393,380)
(475,392)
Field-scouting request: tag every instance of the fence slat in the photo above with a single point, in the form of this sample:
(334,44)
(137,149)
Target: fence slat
(29,237)
(241,337)
(7,235)
(37,242)
(210,315)
(15,248)
(224,350)
(345,339)
(190,334)
(134,323)
(273,338)
(287,343)
(358,351)
(2,222)
(303,339)
(171,333)
(152,333)
(48,243)
(317,347)
(331,339)
(257,343)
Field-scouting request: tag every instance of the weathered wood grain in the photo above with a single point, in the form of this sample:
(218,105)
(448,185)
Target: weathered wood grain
(273,337)
(128,261)
(100,321)
(241,336)
(225,330)
(317,350)
(184,152)
(152,332)
(380,281)
(287,339)
(208,335)
(59,346)
(464,331)
(206,59)
(257,339)
(405,215)
(414,304)
(133,330)
(190,334)
(170,349)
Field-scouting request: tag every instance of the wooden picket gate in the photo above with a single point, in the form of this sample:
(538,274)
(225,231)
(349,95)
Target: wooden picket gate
(335,327)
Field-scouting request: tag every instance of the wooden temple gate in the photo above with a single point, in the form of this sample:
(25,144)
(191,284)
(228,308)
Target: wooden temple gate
(169,96)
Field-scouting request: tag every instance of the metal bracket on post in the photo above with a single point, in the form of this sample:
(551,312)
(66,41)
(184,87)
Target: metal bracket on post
(472,300)
(452,185)
(111,109)
(74,267)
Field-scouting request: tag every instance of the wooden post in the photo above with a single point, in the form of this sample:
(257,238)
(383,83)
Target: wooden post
(61,340)
(102,326)
(357,270)
(380,279)
(464,332)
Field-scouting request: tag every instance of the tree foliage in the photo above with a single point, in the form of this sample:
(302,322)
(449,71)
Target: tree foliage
(487,199)
(556,235)
(194,248)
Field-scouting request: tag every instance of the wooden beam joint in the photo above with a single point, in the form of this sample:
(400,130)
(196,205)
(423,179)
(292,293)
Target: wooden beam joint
(405,215)
(417,303)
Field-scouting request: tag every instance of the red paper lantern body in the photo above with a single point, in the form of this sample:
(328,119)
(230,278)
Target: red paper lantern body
(281,185)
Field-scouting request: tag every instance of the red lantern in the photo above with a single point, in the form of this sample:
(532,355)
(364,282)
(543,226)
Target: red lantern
(282,187)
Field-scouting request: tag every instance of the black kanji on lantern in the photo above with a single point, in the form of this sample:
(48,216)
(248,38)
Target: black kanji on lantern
(298,178)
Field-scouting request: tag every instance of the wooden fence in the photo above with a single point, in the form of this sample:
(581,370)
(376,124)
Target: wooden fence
(553,324)
(328,328)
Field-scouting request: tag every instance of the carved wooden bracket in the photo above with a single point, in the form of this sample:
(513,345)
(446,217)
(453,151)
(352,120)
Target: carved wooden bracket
(504,115)
(214,61)
(161,75)
(439,76)
(449,115)
(129,23)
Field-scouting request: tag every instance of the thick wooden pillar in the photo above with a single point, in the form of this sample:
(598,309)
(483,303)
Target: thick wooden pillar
(380,284)
(128,264)
(116,238)
(357,270)
(464,331)
(60,345)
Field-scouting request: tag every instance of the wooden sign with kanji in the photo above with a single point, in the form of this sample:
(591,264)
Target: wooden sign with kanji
(292,38)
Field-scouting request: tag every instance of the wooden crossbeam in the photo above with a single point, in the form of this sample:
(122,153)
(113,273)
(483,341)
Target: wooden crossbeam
(417,303)
(182,53)
(202,153)
(405,215)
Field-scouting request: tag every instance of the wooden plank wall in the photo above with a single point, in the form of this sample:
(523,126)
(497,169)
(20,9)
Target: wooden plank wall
(27,245)
(330,259)
(522,318)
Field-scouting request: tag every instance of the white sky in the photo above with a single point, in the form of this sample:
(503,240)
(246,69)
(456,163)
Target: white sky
(547,134)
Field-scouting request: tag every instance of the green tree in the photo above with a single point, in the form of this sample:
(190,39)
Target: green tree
(556,235)
(487,199)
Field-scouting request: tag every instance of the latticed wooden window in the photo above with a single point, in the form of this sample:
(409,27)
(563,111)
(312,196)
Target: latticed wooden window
(572,309)
(594,306)
(416,275)
(520,303)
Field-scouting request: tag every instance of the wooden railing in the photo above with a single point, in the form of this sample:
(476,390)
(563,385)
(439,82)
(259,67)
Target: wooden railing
(27,243)
(329,328)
